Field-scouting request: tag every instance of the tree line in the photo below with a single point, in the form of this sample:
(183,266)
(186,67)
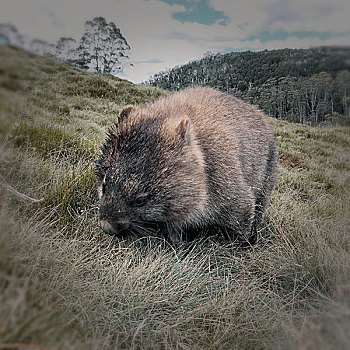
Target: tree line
(102,47)
(320,98)
(303,85)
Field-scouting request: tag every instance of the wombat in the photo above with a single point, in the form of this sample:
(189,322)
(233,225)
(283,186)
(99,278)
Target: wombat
(196,161)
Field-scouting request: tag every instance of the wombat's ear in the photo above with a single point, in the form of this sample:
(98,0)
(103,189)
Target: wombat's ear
(176,132)
(183,129)
(125,112)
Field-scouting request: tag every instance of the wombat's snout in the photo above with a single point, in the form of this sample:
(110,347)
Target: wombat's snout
(114,228)
(107,227)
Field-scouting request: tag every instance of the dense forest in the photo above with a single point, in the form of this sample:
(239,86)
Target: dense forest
(309,86)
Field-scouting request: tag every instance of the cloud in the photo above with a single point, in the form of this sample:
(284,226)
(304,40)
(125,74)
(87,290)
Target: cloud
(176,35)
(199,11)
(291,15)
(280,11)
(151,61)
(306,15)
(265,36)
(51,15)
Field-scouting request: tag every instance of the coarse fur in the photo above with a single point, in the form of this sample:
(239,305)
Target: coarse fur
(196,161)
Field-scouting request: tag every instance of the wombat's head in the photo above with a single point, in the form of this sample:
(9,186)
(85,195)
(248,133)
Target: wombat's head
(150,171)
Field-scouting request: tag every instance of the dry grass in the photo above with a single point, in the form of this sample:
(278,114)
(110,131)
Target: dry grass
(65,285)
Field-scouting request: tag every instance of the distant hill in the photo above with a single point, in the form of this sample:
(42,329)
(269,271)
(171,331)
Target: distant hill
(301,85)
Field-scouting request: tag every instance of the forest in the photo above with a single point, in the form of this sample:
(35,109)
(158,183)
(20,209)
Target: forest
(308,86)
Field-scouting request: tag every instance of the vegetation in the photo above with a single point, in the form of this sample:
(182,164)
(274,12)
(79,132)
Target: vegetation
(66,285)
(305,86)
(102,48)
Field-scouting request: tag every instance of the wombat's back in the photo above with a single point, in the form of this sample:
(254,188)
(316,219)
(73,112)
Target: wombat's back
(234,136)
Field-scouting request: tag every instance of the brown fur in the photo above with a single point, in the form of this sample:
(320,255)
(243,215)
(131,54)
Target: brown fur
(198,160)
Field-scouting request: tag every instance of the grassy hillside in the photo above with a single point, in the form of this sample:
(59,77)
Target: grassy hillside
(66,285)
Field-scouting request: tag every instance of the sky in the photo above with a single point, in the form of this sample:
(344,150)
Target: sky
(166,33)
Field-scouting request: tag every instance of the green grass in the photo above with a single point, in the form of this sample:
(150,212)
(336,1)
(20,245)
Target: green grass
(46,140)
(66,285)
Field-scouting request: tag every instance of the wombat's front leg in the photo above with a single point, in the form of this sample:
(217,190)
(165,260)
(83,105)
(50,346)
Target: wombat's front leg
(171,233)
(241,225)
(174,237)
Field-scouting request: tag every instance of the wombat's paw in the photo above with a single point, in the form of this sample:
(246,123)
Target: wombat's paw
(253,235)
(248,240)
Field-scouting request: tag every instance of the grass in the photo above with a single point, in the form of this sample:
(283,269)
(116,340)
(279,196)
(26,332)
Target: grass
(45,140)
(66,285)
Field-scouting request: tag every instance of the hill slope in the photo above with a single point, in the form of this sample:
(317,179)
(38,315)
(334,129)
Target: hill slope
(64,284)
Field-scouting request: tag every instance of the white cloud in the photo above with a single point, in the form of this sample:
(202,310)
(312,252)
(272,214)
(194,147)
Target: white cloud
(312,15)
(158,41)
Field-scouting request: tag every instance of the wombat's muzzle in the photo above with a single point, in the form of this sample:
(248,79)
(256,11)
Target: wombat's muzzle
(107,227)
(115,229)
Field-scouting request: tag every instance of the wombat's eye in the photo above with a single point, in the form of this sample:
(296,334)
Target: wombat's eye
(141,200)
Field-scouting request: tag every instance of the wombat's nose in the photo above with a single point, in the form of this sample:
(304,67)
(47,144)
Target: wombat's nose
(115,228)
(107,227)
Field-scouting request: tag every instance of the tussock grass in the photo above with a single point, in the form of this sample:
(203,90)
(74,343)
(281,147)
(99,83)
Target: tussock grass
(65,284)
(115,89)
(46,140)
(71,193)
